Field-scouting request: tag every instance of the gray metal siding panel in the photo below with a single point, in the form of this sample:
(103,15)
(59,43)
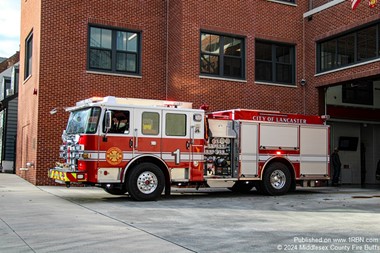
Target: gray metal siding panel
(11,130)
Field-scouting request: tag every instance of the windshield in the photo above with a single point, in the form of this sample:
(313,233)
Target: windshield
(83,121)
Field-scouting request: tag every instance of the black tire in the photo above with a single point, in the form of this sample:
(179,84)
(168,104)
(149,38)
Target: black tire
(276,179)
(242,187)
(114,190)
(146,182)
(293,186)
(259,187)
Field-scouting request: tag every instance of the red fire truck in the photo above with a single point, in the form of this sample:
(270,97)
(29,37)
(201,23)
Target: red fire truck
(144,146)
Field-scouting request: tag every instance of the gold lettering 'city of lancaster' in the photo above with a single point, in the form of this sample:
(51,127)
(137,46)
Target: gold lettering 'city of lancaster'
(280,119)
(291,120)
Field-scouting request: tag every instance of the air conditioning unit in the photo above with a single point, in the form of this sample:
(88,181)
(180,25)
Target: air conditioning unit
(9,92)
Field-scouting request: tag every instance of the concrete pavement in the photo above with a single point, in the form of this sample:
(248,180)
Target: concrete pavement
(33,220)
(57,219)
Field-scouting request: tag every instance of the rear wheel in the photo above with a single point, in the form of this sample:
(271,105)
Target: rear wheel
(276,179)
(146,182)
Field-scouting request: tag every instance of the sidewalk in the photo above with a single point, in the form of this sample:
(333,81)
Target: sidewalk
(33,220)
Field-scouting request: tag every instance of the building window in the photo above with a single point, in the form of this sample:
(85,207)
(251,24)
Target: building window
(6,84)
(345,50)
(358,92)
(112,50)
(222,56)
(367,43)
(288,1)
(358,46)
(274,63)
(28,55)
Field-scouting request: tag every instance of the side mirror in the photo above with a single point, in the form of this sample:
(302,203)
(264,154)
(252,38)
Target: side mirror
(108,121)
(64,136)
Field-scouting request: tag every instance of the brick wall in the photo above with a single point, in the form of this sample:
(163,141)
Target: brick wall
(7,63)
(64,79)
(244,18)
(170,60)
(317,3)
(27,138)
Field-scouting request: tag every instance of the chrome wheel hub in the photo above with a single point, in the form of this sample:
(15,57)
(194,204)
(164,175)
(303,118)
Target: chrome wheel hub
(277,179)
(147,182)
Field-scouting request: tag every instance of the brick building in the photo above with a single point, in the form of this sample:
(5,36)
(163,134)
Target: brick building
(228,54)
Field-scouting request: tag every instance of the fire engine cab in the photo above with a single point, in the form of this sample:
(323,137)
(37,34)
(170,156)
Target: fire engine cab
(143,146)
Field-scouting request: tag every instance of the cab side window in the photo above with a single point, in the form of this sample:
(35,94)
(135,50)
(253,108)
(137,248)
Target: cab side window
(150,123)
(175,124)
(120,122)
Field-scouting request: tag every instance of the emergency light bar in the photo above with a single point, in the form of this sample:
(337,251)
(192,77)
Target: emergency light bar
(172,104)
(90,100)
(110,100)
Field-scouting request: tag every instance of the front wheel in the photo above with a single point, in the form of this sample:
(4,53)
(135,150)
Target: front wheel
(146,182)
(276,179)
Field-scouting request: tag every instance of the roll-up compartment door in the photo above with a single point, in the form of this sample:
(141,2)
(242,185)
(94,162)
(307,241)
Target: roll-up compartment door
(314,150)
(248,149)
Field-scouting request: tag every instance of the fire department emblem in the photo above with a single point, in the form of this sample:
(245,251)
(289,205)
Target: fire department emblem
(114,156)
